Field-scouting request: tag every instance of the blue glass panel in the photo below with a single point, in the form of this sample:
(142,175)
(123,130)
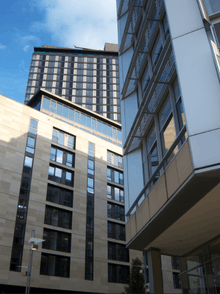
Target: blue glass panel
(119,135)
(65,111)
(71,114)
(83,119)
(88,121)
(93,124)
(77,117)
(53,104)
(52,110)
(109,129)
(59,109)
(99,126)
(33,124)
(114,134)
(46,103)
(104,129)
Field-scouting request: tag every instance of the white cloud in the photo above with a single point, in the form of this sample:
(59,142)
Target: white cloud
(25,41)
(82,23)
(2,46)
(26,47)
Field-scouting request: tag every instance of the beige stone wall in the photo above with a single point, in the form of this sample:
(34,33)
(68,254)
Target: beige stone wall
(167,273)
(14,125)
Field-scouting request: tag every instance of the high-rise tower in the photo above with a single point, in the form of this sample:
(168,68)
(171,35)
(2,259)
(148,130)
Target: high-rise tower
(87,77)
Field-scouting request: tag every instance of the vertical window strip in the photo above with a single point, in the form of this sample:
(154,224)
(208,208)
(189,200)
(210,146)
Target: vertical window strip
(23,200)
(89,259)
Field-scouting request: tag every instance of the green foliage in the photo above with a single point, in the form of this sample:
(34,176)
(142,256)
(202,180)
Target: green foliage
(136,278)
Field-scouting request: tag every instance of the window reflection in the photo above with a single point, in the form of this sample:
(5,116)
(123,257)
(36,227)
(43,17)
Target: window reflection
(212,6)
(81,118)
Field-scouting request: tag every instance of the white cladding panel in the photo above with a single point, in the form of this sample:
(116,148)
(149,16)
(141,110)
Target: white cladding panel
(135,175)
(130,108)
(121,26)
(124,63)
(184,16)
(199,82)
(205,149)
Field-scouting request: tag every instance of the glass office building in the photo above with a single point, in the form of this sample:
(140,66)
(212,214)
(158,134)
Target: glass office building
(170,97)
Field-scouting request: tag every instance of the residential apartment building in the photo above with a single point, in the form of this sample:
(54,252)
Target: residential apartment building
(170,98)
(87,77)
(61,181)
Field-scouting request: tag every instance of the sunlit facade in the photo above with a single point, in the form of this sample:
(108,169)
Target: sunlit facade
(169,67)
(61,177)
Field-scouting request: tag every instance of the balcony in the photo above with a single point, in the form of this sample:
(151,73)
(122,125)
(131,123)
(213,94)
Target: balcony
(180,212)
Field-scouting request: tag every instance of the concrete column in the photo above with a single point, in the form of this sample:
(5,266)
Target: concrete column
(155,271)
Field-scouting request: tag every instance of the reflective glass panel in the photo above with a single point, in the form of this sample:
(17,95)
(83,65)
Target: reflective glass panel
(46,103)
(61,138)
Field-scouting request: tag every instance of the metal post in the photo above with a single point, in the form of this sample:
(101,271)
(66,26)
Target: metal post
(145,272)
(27,290)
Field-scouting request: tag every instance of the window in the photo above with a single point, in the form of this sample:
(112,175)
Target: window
(89,86)
(175,263)
(115,176)
(90,183)
(167,128)
(80,65)
(116,211)
(59,195)
(28,161)
(52,64)
(118,252)
(63,139)
(89,66)
(89,79)
(165,26)
(52,57)
(91,151)
(50,70)
(61,156)
(212,6)
(89,270)
(89,248)
(152,155)
(54,265)
(176,281)
(58,217)
(30,145)
(114,159)
(145,78)
(56,240)
(118,273)
(88,99)
(33,127)
(90,167)
(115,193)
(116,231)
(156,51)
(61,175)
(179,104)
(49,84)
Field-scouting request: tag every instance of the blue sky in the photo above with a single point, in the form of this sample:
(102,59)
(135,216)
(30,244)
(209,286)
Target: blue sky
(65,23)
